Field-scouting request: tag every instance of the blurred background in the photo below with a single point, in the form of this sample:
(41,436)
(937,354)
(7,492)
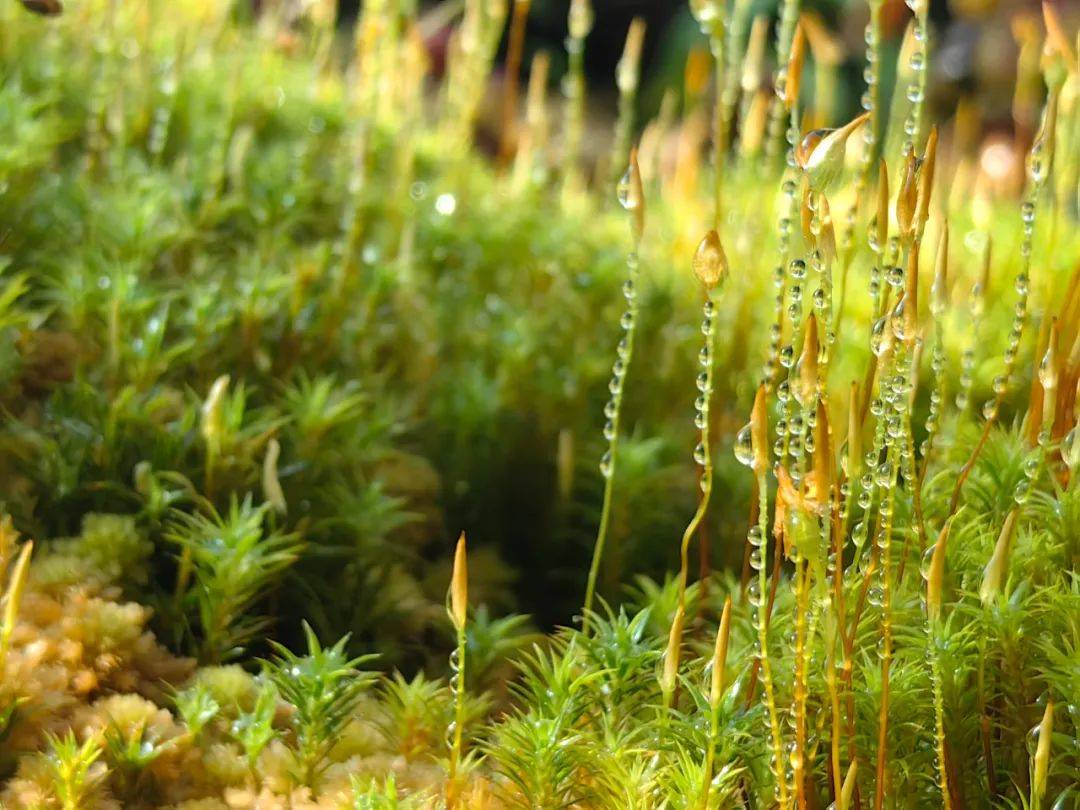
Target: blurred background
(973,52)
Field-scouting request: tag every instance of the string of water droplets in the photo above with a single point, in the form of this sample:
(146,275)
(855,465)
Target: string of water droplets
(938,310)
(751,450)
(871,103)
(710,267)
(977,307)
(1039,163)
(916,90)
(630,196)
(776,328)
(896,408)
(785,36)
(790,427)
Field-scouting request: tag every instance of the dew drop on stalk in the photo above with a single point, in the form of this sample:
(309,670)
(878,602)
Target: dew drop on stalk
(700,456)
(924,563)
(744,448)
(625,192)
(755,537)
(753,593)
(605,464)
(879,343)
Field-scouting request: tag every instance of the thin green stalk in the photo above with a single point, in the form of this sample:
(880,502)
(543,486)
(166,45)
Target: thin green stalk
(457,610)
(703,451)
(1040,160)
(939,717)
(785,37)
(777,758)
(631,197)
(884,545)
(457,681)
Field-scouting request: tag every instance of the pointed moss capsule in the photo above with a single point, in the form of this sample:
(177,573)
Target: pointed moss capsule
(907,197)
(795,67)
(459,586)
(12,598)
(847,791)
(719,659)
(628,71)
(821,153)
(926,180)
(753,67)
(671,654)
(1040,765)
(996,570)
(710,263)
(935,576)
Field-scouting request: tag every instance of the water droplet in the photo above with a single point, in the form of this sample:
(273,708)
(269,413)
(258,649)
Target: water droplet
(753,593)
(625,191)
(744,446)
(606,464)
(700,454)
(924,563)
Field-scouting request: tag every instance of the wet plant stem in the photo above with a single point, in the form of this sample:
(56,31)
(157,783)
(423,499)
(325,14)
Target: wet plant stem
(933,629)
(777,760)
(613,413)
(458,687)
(884,546)
(703,451)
